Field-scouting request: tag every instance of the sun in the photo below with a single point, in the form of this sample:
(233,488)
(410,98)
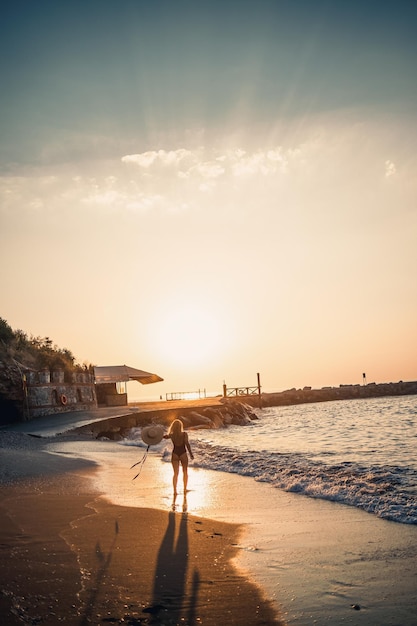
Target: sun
(188,336)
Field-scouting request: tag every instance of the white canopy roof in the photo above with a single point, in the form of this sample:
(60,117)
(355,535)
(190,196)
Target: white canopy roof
(124,373)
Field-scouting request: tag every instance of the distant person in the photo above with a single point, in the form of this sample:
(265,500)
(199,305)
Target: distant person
(181,444)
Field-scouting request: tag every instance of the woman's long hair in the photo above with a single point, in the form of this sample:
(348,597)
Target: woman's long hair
(176,428)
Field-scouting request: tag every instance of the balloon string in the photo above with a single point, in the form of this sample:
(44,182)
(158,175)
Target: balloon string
(141,463)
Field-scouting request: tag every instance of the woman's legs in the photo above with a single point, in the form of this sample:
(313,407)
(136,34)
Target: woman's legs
(175,466)
(184,463)
(175,460)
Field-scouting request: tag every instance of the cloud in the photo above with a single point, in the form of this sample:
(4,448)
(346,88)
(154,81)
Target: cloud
(322,171)
(209,169)
(261,162)
(155,157)
(235,162)
(114,195)
(390,169)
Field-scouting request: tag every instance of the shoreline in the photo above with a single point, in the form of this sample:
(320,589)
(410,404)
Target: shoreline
(307,559)
(314,559)
(70,555)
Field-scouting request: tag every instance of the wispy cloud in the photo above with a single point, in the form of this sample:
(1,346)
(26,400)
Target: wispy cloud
(261,162)
(235,162)
(158,157)
(331,168)
(390,169)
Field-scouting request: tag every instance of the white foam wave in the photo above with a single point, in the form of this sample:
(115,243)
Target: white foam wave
(389,492)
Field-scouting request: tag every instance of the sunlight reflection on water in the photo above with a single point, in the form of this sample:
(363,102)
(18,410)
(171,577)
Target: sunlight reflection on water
(153,486)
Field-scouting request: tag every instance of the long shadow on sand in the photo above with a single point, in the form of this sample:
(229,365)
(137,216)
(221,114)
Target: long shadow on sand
(104,564)
(169,590)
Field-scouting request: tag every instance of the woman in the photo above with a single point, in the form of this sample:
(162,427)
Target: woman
(181,444)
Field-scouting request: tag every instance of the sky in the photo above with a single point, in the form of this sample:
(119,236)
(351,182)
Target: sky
(211,190)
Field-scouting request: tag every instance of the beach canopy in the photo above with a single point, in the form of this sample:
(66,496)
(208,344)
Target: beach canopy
(122,374)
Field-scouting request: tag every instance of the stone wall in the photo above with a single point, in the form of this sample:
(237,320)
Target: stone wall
(37,393)
(50,398)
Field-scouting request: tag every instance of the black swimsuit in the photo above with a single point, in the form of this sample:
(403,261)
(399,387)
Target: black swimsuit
(179,450)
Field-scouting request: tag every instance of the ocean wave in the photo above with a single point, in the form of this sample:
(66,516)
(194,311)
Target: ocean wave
(390,492)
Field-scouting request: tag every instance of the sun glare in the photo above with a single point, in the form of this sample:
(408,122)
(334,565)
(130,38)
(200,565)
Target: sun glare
(188,336)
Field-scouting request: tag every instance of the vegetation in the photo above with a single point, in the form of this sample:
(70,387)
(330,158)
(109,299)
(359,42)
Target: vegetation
(37,352)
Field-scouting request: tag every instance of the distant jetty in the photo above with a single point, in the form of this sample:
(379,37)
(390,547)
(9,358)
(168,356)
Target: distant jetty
(343,392)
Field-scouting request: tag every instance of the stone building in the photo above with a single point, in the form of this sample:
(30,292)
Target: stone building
(47,392)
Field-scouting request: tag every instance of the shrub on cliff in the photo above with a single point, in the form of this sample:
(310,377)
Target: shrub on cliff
(6,332)
(36,352)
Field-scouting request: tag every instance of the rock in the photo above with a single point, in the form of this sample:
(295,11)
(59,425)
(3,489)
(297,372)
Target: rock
(112,435)
(215,416)
(199,419)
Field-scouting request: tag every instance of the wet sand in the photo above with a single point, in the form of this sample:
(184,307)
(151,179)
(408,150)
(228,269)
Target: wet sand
(70,556)
(319,562)
(234,551)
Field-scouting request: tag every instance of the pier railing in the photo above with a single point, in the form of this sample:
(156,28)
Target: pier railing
(241,391)
(186,395)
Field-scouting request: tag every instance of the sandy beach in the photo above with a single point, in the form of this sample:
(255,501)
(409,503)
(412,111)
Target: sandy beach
(71,556)
(82,543)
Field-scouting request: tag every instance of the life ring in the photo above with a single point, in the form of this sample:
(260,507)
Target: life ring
(63,399)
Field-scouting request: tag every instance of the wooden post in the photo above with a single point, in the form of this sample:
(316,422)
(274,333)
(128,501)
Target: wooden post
(224,390)
(259,391)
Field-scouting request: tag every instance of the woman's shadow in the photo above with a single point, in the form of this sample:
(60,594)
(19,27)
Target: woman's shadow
(171,574)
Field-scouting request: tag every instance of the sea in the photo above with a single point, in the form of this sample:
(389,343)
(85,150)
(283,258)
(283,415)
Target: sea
(360,453)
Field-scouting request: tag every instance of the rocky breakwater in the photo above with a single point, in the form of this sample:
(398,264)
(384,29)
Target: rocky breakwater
(222,414)
(327,394)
